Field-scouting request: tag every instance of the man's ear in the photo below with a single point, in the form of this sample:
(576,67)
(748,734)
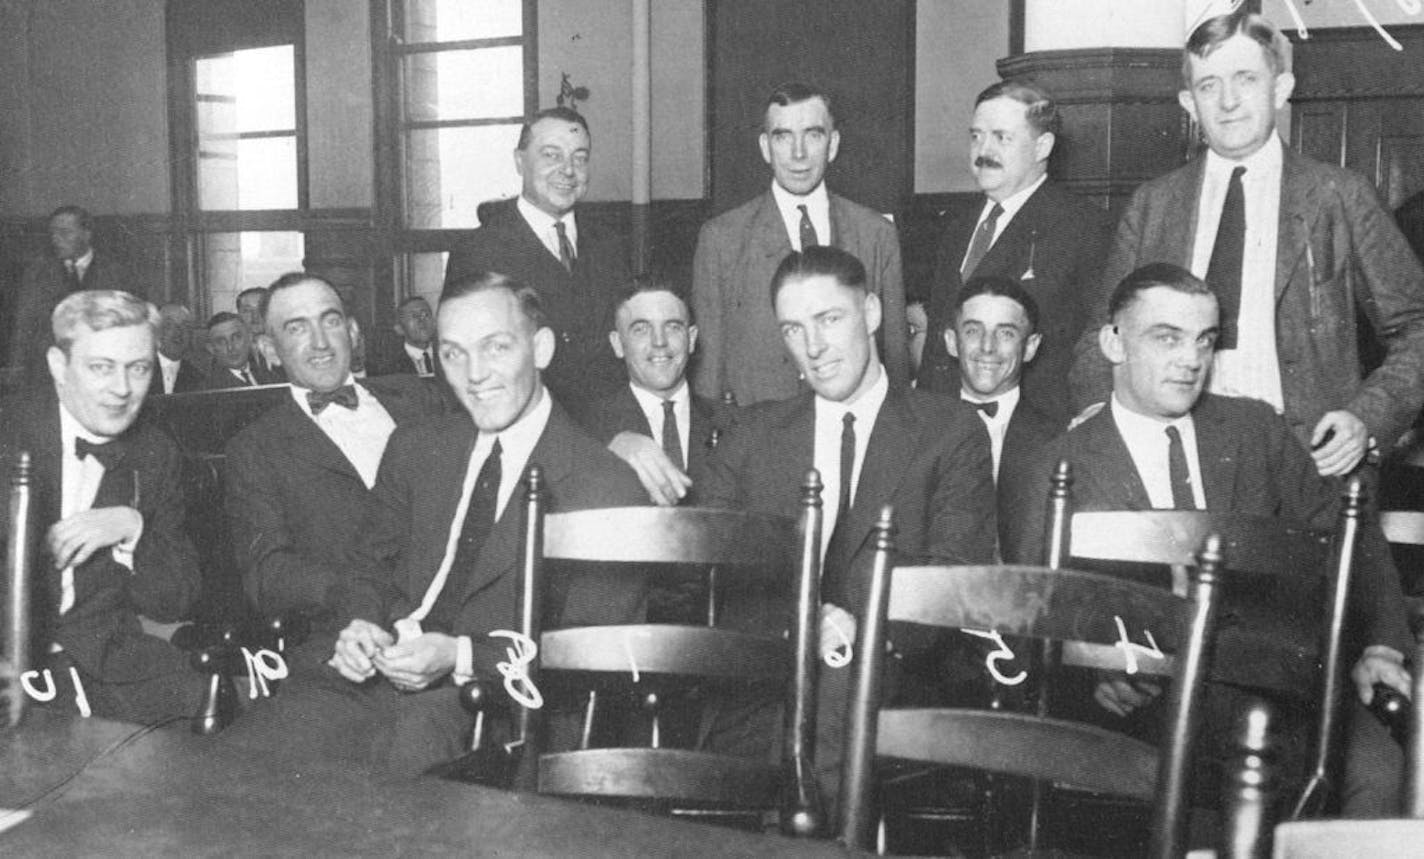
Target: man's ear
(543,347)
(1110,341)
(1031,346)
(616,343)
(269,349)
(691,339)
(56,359)
(834,146)
(764,143)
(1189,104)
(951,342)
(1043,146)
(872,312)
(1285,85)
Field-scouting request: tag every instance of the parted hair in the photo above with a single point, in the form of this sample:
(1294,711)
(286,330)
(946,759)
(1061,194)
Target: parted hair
(820,261)
(1151,275)
(530,305)
(98,309)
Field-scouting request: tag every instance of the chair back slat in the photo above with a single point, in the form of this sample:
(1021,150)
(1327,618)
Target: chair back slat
(639,650)
(19,566)
(1403,527)
(1254,544)
(1036,602)
(1069,753)
(666,535)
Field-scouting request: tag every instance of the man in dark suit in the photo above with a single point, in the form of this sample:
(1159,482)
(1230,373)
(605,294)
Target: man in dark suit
(654,336)
(415,356)
(299,477)
(74,265)
(249,307)
(176,373)
(1300,253)
(1162,443)
(738,251)
(108,508)
(539,240)
(230,344)
(433,570)
(873,444)
(1028,229)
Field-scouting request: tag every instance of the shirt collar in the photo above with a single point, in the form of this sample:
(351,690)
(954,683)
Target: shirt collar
(165,361)
(300,394)
(416,353)
(865,407)
(541,221)
(70,428)
(517,440)
(654,402)
(1141,426)
(82,262)
(1008,401)
(1265,161)
(818,200)
(1015,201)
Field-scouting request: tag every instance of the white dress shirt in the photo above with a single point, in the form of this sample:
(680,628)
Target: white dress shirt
(998,425)
(1147,443)
(79,484)
(1009,207)
(361,434)
(420,356)
(81,265)
(818,208)
(169,368)
(1253,368)
(542,223)
(826,455)
(516,444)
(652,406)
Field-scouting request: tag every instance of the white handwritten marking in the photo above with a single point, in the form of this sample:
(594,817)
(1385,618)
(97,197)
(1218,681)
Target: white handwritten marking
(999,654)
(27,683)
(632,657)
(80,699)
(262,666)
(841,655)
(516,680)
(1130,650)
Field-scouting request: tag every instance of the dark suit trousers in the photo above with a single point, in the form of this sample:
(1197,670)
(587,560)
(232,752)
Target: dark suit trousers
(176,693)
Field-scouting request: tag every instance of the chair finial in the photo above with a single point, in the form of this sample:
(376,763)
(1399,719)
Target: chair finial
(21,475)
(1210,559)
(885,527)
(1354,495)
(811,489)
(534,479)
(1061,481)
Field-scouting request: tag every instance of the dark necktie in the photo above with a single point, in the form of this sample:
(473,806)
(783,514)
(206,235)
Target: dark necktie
(1223,273)
(479,520)
(833,576)
(109,454)
(71,271)
(566,249)
(1177,471)
(989,408)
(427,367)
(980,244)
(343,396)
(672,439)
(808,230)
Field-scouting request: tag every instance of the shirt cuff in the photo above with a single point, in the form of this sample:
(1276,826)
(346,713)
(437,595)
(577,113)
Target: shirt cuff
(123,551)
(1384,651)
(464,660)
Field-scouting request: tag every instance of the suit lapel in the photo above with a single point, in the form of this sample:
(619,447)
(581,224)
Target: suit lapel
(316,446)
(887,460)
(766,234)
(1217,454)
(1104,467)
(1293,236)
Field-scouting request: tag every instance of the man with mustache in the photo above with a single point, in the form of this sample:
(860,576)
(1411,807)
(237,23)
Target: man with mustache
(1028,229)
(539,240)
(1162,442)
(738,251)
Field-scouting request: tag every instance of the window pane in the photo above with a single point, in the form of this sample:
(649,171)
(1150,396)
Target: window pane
(457,20)
(450,171)
(236,261)
(250,173)
(258,86)
(474,84)
(424,275)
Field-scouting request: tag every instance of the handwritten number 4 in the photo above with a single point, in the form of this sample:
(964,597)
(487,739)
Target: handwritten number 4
(1130,650)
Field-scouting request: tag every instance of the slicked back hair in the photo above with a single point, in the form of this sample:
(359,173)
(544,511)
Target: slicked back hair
(81,216)
(651,282)
(1039,107)
(287,281)
(818,261)
(530,305)
(1209,35)
(795,92)
(1005,287)
(1153,275)
(98,309)
(567,114)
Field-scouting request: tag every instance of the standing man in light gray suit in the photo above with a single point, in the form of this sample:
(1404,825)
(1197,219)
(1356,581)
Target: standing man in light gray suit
(738,251)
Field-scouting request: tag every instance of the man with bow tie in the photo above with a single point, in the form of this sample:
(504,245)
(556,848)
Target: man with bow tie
(108,514)
(298,478)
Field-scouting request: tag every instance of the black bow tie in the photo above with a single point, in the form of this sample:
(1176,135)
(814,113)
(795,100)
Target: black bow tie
(342,396)
(990,408)
(109,454)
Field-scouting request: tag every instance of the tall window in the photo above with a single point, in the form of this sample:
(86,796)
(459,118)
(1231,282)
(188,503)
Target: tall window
(463,72)
(238,143)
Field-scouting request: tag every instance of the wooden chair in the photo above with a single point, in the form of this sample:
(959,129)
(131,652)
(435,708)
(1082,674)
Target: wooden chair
(1255,546)
(647,655)
(19,547)
(1044,604)
(1406,528)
